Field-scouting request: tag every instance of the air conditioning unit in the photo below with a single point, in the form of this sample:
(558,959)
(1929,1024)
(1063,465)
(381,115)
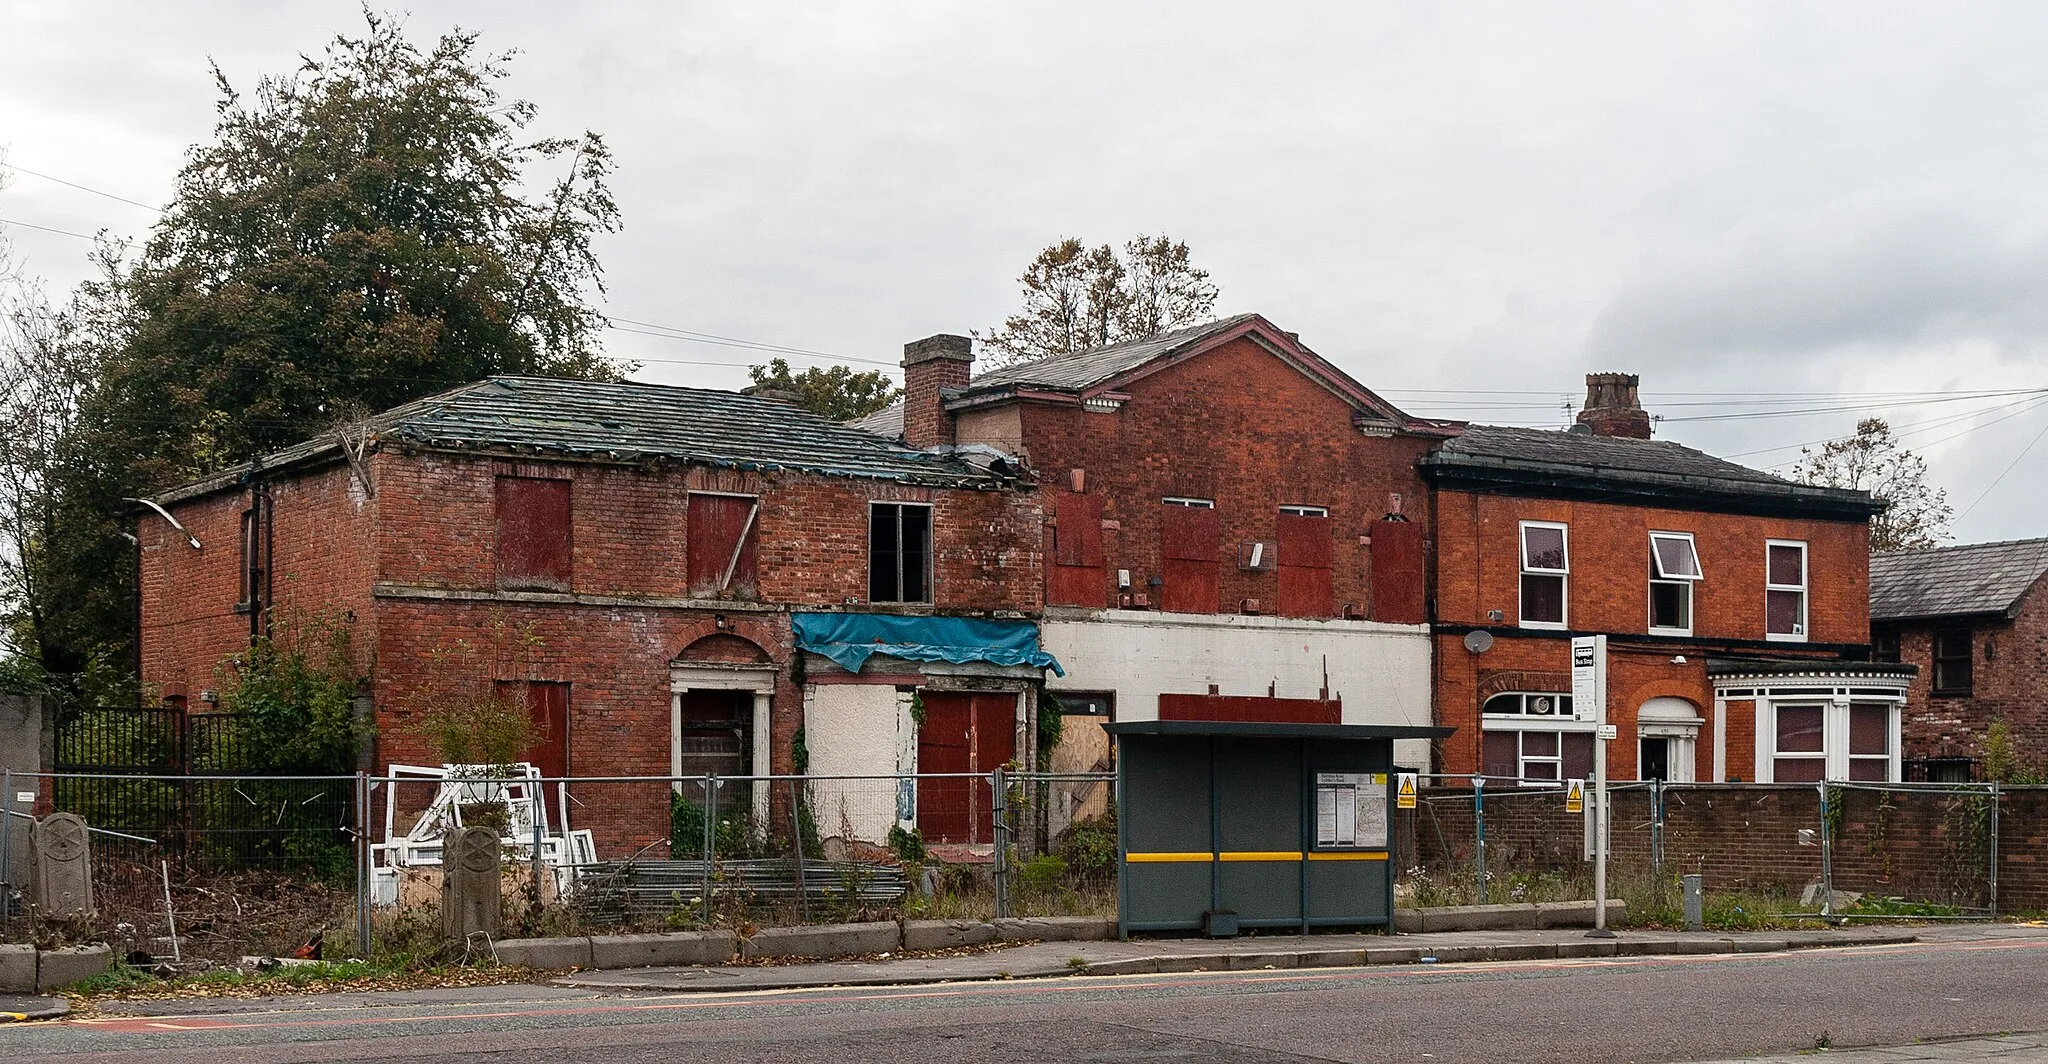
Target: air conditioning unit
(1260,555)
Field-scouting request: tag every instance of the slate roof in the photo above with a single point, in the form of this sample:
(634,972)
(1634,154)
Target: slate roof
(629,422)
(1973,579)
(1582,463)
(1078,370)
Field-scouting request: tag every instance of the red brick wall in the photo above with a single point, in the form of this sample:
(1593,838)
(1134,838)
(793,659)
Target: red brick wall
(2010,685)
(1478,565)
(1244,428)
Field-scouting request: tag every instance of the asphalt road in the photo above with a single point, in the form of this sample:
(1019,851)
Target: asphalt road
(1584,1012)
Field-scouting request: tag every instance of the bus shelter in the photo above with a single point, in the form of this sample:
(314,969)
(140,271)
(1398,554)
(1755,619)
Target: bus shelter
(1229,825)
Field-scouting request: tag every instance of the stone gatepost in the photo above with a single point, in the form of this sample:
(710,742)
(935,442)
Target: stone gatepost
(471,887)
(60,879)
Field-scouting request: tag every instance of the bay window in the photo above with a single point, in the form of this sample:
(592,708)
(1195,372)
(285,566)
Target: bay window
(1808,742)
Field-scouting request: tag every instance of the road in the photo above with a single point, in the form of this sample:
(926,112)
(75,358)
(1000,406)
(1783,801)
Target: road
(1584,1012)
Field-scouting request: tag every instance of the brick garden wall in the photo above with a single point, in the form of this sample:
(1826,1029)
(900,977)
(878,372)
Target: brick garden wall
(1917,845)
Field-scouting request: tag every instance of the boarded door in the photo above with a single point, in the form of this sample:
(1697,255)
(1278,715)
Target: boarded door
(1397,587)
(962,732)
(1189,541)
(723,545)
(1306,553)
(533,534)
(1075,578)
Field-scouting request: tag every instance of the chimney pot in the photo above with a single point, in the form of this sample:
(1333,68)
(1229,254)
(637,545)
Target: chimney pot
(930,366)
(1613,407)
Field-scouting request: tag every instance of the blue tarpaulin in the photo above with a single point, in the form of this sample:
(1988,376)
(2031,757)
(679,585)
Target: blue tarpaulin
(851,638)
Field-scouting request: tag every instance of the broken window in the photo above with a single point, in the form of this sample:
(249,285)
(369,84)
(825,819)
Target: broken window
(723,545)
(533,534)
(899,552)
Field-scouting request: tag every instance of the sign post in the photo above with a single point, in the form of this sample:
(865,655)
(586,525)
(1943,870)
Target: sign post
(1589,701)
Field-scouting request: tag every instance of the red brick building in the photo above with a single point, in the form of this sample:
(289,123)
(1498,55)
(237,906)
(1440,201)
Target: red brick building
(1235,527)
(1974,619)
(626,560)
(1735,604)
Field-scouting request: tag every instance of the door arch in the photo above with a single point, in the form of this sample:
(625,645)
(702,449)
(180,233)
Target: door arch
(1667,739)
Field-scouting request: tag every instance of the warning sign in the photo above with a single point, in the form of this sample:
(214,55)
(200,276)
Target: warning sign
(1404,794)
(1575,796)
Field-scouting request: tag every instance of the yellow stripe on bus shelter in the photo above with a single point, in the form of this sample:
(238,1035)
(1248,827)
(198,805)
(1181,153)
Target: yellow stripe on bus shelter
(1262,855)
(1168,858)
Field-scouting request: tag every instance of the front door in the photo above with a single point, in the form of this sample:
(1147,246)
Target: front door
(962,733)
(714,732)
(1656,759)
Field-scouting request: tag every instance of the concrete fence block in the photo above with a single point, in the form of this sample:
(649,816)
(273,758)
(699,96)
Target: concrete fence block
(1056,929)
(662,951)
(824,940)
(17,968)
(946,934)
(62,967)
(546,952)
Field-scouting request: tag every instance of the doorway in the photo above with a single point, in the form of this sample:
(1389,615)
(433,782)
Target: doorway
(714,736)
(1655,758)
(963,732)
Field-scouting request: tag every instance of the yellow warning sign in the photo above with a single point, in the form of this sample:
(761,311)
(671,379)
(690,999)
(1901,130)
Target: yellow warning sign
(1404,796)
(1575,796)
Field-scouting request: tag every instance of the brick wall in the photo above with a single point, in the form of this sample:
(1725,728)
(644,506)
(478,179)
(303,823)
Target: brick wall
(2009,664)
(1918,845)
(1241,427)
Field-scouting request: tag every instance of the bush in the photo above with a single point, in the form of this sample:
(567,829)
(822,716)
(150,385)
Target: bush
(1089,846)
(908,844)
(734,833)
(1042,874)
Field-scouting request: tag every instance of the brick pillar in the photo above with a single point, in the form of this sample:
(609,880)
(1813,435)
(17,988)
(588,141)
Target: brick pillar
(1613,408)
(930,366)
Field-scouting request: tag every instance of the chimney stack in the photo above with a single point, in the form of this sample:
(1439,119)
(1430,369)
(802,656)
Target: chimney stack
(1613,408)
(930,366)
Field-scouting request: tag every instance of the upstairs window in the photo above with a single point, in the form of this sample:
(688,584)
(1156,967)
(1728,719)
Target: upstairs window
(1884,646)
(255,542)
(1306,511)
(899,552)
(1952,662)
(533,534)
(1785,590)
(723,548)
(1674,567)
(1190,503)
(1544,570)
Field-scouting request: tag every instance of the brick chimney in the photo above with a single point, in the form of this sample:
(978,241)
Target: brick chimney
(1612,407)
(929,365)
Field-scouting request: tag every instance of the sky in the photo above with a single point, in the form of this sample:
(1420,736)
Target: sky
(1785,217)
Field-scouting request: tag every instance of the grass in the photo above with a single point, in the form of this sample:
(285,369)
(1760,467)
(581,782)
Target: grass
(1653,901)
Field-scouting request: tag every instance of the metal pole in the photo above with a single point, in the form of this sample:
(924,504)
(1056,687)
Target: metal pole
(1657,828)
(1994,849)
(711,784)
(1479,835)
(534,792)
(796,823)
(362,865)
(6,842)
(1602,816)
(1827,856)
(998,806)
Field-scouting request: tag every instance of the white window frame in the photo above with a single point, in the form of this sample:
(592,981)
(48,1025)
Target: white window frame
(1305,511)
(1564,577)
(1558,722)
(1834,755)
(1805,594)
(1190,503)
(1685,583)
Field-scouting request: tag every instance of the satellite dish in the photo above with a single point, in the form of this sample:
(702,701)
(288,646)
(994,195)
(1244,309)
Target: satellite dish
(1478,642)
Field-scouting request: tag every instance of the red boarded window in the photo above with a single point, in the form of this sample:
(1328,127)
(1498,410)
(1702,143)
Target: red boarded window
(1190,538)
(1397,585)
(724,545)
(1075,578)
(1306,556)
(533,534)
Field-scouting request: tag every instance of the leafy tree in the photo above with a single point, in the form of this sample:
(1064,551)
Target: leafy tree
(1917,514)
(835,392)
(375,227)
(1077,297)
(293,693)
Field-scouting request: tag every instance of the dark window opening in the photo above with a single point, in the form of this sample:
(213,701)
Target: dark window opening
(1884,646)
(1953,673)
(899,552)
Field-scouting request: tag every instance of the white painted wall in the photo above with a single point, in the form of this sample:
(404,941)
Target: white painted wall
(1381,671)
(857,730)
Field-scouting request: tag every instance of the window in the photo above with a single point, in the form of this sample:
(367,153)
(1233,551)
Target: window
(723,545)
(1870,742)
(255,542)
(1785,590)
(1307,548)
(533,534)
(1306,511)
(1544,568)
(1190,544)
(1531,737)
(899,552)
(1192,504)
(1952,661)
(1884,646)
(1834,740)
(1800,754)
(1674,566)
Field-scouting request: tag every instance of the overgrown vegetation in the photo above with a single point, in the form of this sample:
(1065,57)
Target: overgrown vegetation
(293,697)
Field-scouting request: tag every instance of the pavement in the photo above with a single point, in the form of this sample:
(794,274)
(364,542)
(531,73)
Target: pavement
(2004,1049)
(15,1008)
(1250,953)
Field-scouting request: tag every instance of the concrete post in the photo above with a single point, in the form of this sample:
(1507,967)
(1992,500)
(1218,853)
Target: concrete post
(60,882)
(472,886)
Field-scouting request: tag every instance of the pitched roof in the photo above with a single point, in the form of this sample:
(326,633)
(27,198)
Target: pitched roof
(1975,578)
(629,422)
(1078,370)
(1616,466)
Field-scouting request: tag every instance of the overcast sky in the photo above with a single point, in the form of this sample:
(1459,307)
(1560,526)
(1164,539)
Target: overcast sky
(1754,200)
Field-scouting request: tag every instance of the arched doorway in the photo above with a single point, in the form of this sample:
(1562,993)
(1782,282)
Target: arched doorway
(1667,739)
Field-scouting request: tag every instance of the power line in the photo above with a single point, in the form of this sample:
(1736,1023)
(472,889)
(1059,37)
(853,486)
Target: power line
(47,229)
(1986,493)
(669,332)
(83,188)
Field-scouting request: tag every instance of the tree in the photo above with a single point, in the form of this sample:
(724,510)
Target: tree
(1076,297)
(355,235)
(834,392)
(1916,515)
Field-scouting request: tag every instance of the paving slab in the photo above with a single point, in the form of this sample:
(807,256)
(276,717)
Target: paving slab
(17,1008)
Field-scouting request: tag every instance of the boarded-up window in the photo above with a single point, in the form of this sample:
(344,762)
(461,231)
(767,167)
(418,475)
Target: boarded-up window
(724,545)
(1075,578)
(1306,555)
(533,534)
(1397,585)
(1190,539)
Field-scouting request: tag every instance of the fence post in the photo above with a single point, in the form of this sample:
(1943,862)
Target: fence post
(1994,849)
(1827,857)
(796,823)
(999,809)
(710,840)
(363,943)
(6,843)
(1479,835)
(1657,828)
